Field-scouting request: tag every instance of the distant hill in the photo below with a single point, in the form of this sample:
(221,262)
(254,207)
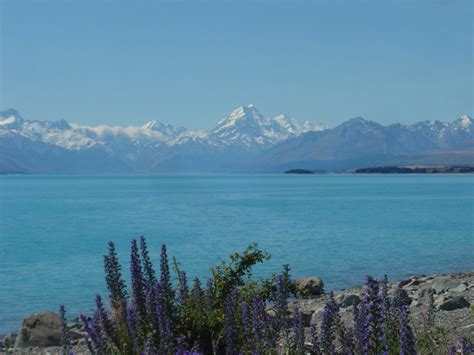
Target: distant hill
(244,141)
(416,170)
(359,143)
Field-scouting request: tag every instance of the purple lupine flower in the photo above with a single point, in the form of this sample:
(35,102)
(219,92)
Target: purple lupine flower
(314,340)
(391,316)
(165,282)
(385,300)
(103,319)
(360,320)
(374,335)
(165,332)
(298,331)
(407,339)
(230,329)
(183,288)
(452,350)
(87,333)
(467,347)
(115,283)
(65,340)
(281,303)
(329,326)
(152,299)
(384,294)
(247,325)
(92,334)
(261,326)
(138,285)
(181,345)
(148,271)
(132,325)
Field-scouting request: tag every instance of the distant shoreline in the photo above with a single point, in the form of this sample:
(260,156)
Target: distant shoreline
(392,170)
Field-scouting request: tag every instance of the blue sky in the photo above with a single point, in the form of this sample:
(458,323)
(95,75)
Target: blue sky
(190,63)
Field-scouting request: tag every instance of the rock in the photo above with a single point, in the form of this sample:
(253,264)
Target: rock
(348,300)
(42,330)
(412,281)
(421,293)
(316,317)
(460,288)
(454,303)
(307,287)
(445,284)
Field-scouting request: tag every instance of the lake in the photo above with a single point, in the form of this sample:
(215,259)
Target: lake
(54,229)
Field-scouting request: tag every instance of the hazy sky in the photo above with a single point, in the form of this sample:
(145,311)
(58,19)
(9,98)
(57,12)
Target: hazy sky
(190,63)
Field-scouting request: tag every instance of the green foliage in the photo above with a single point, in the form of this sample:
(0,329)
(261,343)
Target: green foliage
(236,274)
(202,318)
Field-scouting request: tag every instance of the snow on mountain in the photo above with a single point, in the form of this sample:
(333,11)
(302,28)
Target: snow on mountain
(233,144)
(358,142)
(165,129)
(247,127)
(10,119)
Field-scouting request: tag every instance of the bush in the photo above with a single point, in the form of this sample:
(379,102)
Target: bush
(235,314)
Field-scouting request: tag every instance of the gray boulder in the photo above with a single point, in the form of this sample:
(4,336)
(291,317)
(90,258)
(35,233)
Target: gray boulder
(454,303)
(347,300)
(445,284)
(317,315)
(42,330)
(460,288)
(308,287)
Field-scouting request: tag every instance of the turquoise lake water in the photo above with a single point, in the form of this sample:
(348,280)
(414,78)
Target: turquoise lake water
(54,229)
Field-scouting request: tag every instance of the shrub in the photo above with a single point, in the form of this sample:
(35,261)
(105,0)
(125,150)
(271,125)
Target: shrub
(235,314)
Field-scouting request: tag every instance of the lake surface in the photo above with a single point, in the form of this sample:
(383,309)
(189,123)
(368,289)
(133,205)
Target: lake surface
(54,229)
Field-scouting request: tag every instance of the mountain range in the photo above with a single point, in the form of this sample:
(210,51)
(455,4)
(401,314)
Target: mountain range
(244,141)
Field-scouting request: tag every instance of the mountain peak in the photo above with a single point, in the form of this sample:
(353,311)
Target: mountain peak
(11,118)
(465,121)
(150,124)
(247,113)
(359,121)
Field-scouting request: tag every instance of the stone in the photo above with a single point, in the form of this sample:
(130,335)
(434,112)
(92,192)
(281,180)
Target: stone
(445,284)
(308,287)
(421,293)
(412,281)
(317,315)
(348,300)
(460,288)
(42,330)
(454,303)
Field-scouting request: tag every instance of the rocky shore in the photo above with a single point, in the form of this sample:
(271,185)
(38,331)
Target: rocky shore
(453,303)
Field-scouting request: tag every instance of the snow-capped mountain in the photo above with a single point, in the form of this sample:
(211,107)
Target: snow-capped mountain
(245,140)
(247,127)
(243,130)
(359,142)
